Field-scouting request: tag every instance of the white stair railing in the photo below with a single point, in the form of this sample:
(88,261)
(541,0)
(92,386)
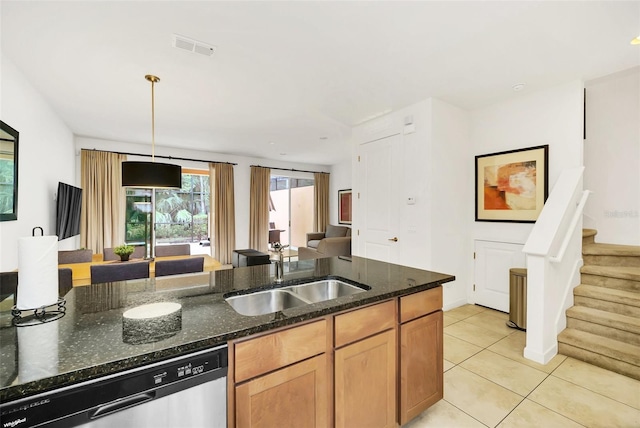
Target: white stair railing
(577,216)
(553,251)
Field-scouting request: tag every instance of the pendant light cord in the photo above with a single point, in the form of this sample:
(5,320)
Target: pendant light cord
(153,121)
(153,79)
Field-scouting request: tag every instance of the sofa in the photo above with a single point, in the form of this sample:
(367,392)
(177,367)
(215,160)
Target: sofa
(335,241)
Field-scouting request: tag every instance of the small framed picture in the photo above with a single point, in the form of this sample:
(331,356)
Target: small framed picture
(344,206)
(512,186)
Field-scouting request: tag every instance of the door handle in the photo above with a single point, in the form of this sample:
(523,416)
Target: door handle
(394,239)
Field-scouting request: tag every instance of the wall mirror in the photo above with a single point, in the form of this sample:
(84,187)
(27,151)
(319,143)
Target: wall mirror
(8,173)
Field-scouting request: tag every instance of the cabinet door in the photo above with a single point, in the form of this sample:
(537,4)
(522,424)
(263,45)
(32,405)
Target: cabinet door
(493,261)
(365,382)
(420,365)
(296,396)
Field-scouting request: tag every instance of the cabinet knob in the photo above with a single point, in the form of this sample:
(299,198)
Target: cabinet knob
(394,239)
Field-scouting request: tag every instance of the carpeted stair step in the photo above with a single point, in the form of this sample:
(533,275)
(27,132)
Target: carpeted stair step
(603,323)
(611,255)
(610,354)
(588,236)
(622,278)
(607,299)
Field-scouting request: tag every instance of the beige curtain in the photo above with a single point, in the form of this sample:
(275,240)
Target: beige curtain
(102,223)
(321,201)
(222,221)
(259,208)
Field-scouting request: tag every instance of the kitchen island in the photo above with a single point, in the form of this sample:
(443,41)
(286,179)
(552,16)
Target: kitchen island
(88,341)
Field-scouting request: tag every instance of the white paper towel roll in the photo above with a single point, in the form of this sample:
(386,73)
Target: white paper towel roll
(37,272)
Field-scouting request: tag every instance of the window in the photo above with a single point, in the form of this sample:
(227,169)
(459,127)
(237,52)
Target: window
(7,173)
(181,215)
(291,208)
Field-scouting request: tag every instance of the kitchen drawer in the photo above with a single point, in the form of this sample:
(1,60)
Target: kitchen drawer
(361,323)
(264,354)
(421,303)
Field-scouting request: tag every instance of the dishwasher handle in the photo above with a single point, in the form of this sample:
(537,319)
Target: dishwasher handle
(116,406)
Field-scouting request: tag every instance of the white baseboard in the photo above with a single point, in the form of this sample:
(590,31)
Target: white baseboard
(541,357)
(452,305)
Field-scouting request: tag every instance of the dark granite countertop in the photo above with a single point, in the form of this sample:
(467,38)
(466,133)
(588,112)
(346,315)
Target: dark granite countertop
(88,341)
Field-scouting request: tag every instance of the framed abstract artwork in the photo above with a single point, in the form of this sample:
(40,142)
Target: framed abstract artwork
(512,186)
(344,206)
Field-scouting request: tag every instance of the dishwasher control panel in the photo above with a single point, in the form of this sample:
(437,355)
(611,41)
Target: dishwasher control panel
(186,369)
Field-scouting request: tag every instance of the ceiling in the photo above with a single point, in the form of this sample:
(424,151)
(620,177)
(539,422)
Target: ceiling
(289,80)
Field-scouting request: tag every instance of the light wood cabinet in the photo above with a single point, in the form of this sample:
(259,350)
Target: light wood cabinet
(421,353)
(365,382)
(375,366)
(419,304)
(296,396)
(360,323)
(272,351)
(281,378)
(365,366)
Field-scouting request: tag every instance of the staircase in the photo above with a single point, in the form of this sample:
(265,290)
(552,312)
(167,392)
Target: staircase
(603,328)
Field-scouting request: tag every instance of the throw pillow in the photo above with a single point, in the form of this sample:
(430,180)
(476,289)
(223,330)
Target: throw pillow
(335,231)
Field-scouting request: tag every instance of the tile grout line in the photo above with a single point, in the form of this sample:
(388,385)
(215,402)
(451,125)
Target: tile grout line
(489,380)
(546,376)
(595,392)
(479,346)
(472,417)
(526,397)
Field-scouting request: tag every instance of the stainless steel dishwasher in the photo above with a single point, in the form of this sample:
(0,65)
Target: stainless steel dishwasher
(186,391)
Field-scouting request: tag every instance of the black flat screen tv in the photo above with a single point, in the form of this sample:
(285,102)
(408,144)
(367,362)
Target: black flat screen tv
(68,209)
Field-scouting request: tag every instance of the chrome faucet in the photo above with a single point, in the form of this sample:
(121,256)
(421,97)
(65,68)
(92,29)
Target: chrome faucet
(279,248)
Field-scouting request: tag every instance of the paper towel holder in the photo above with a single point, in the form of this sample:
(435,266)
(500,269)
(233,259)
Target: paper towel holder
(36,316)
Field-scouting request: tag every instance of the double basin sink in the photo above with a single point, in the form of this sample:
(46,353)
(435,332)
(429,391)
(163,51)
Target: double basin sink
(278,299)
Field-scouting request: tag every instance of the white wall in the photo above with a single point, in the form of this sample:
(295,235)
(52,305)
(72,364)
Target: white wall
(434,231)
(612,157)
(451,199)
(438,161)
(552,116)
(241,171)
(45,157)
(414,221)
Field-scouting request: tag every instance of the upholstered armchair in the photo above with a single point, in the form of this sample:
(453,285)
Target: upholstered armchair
(335,241)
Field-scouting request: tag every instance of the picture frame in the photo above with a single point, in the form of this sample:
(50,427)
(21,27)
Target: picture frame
(512,186)
(344,206)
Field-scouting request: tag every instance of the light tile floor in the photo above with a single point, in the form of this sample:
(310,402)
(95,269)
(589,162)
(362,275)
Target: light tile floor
(488,383)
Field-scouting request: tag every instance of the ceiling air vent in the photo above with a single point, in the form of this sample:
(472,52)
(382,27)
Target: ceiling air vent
(191,45)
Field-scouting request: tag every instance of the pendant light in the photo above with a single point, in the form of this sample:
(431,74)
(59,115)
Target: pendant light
(151,174)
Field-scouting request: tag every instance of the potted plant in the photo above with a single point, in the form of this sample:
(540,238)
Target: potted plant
(124,251)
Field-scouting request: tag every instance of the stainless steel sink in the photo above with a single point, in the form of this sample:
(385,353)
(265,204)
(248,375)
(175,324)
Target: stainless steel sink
(268,301)
(264,302)
(327,289)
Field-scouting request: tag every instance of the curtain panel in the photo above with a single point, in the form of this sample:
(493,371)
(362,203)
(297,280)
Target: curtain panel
(259,208)
(102,221)
(321,201)
(222,221)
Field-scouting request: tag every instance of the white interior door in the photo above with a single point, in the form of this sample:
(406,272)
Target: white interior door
(379,201)
(493,261)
